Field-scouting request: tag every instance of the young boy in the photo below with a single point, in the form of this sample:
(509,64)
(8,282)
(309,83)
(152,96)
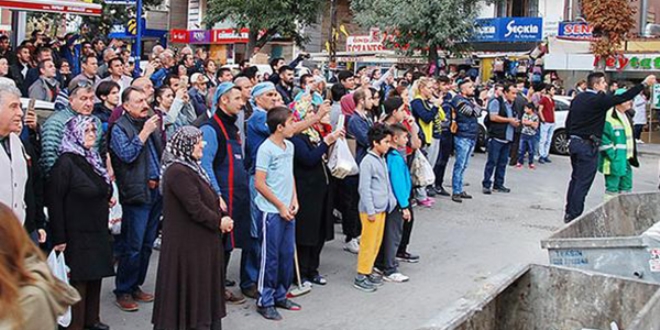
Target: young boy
(530,123)
(277,204)
(376,200)
(401,188)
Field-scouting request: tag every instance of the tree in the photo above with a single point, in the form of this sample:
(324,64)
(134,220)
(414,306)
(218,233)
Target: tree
(611,21)
(421,25)
(266,19)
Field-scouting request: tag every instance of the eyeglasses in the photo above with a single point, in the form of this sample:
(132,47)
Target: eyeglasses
(82,83)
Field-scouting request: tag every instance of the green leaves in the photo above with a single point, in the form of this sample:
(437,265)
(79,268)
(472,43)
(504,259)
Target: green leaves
(421,24)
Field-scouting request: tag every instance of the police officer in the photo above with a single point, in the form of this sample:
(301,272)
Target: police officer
(584,124)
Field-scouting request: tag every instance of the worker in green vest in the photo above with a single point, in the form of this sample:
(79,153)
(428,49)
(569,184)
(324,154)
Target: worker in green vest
(618,152)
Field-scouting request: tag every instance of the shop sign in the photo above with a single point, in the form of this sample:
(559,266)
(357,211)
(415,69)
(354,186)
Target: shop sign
(656,105)
(576,30)
(509,29)
(200,36)
(364,44)
(180,36)
(229,36)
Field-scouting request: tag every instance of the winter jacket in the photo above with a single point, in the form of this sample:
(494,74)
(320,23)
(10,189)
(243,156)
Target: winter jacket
(618,150)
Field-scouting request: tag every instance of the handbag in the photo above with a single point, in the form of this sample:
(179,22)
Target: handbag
(60,270)
(115,214)
(421,171)
(341,162)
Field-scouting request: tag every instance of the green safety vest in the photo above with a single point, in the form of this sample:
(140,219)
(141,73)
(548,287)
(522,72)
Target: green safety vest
(618,145)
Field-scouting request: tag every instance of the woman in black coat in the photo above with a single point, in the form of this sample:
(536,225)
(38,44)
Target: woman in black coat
(190,281)
(79,196)
(314,222)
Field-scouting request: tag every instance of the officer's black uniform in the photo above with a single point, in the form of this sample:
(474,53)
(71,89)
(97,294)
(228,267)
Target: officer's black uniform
(584,124)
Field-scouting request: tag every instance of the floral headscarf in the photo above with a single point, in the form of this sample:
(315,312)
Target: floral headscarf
(73,142)
(302,106)
(180,150)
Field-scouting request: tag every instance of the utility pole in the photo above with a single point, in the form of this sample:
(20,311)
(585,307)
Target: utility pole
(138,35)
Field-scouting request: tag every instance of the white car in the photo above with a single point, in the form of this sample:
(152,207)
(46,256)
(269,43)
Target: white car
(559,138)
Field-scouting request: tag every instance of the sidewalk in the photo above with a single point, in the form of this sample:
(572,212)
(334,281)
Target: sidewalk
(648,149)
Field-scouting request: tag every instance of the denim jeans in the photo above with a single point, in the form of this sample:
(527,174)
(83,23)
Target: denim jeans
(139,228)
(546,139)
(526,146)
(498,158)
(463,151)
(446,145)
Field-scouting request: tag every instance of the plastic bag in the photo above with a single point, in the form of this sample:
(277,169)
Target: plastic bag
(114,220)
(341,162)
(60,270)
(421,171)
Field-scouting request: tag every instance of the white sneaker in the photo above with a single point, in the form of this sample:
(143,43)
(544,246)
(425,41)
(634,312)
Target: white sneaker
(639,141)
(352,246)
(396,277)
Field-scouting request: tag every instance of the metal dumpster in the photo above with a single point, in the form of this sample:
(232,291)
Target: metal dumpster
(535,297)
(619,237)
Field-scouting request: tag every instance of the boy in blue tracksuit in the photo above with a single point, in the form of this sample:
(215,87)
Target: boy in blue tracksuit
(277,205)
(401,187)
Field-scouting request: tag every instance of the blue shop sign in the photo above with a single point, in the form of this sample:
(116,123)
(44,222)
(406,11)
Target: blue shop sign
(509,29)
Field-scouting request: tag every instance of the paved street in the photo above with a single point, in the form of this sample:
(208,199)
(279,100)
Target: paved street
(460,245)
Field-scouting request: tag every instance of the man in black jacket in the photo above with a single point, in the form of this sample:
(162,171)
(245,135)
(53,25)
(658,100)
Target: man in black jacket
(584,124)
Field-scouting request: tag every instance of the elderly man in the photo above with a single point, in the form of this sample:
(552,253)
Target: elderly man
(81,102)
(198,93)
(168,63)
(136,147)
(147,88)
(13,161)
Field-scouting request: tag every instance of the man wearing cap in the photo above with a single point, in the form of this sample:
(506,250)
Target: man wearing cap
(198,93)
(223,161)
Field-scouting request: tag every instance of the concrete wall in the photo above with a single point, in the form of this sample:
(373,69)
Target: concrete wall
(178,14)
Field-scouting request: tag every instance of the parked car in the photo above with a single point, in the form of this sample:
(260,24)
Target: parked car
(559,139)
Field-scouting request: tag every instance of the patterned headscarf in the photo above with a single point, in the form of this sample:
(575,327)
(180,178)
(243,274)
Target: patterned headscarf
(180,150)
(302,107)
(74,139)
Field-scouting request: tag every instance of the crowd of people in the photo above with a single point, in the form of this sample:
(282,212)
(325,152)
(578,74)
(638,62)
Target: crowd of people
(206,160)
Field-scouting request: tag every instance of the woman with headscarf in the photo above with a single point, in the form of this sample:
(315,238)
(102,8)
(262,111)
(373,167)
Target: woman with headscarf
(190,281)
(79,197)
(314,221)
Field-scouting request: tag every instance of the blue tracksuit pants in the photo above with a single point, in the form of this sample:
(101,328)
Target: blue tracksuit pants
(277,249)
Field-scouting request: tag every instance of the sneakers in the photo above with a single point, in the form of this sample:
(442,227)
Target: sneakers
(456,198)
(407,257)
(288,305)
(639,141)
(269,313)
(352,246)
(430,191)
(426,202)
(362,283)
(441,191)
(502,189)
(396,278)
(465,195)
(542,160)
(532,166)
(375,279)
(519,165)
(547,160)
(126,303)
(486,191)
(250,292)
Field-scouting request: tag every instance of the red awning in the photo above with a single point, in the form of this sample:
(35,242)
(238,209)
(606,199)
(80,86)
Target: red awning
(53,6)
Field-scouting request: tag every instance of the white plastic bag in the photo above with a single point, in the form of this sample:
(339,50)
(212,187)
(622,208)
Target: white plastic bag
(421,171)
(114,220)
(341,162)
(60,270)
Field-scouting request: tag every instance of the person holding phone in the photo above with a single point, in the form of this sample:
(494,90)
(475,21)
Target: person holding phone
(136,147)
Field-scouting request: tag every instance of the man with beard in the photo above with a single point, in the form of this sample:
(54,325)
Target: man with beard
(467,114)
(285,86)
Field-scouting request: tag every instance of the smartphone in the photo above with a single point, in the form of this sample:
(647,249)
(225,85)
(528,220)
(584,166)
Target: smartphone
(30,107)
(340,122)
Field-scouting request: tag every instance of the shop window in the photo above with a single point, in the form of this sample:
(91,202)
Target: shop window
(517,8)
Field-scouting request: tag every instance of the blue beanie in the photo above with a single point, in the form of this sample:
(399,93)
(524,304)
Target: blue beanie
(262,88)
(221,90)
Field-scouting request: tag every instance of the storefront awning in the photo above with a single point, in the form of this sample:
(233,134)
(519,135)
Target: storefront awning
(53,6)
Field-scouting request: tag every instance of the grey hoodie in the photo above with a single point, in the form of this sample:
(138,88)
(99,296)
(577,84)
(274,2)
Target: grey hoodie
(375,191)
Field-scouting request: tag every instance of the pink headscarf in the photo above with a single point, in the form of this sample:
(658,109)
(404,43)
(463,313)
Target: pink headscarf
(347,105)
